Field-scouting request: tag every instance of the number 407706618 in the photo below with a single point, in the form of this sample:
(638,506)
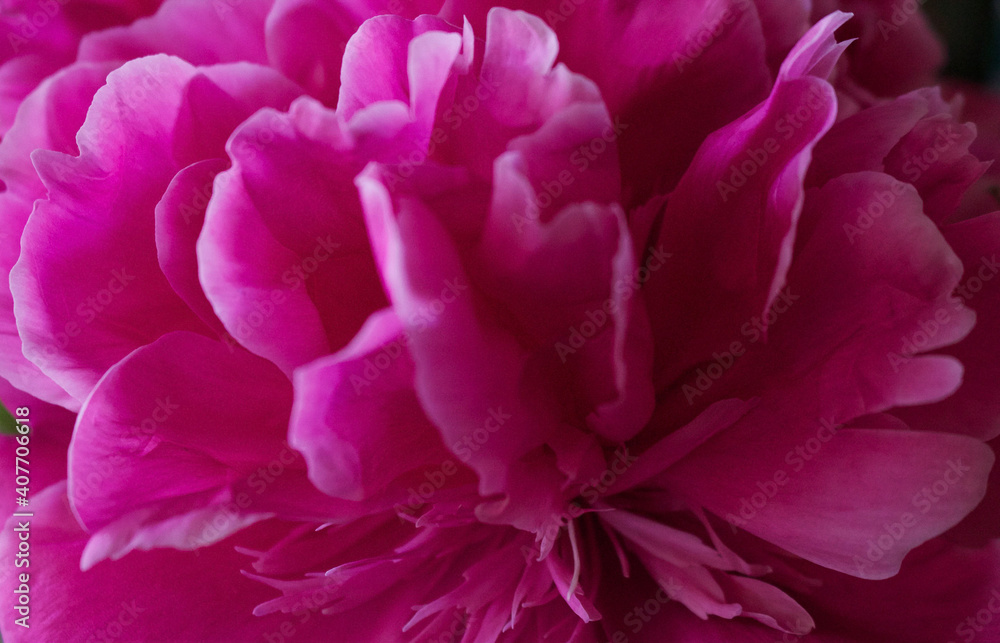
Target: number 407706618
(21,453)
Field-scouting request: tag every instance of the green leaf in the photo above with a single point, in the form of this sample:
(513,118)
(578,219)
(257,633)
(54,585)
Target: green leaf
(8,426)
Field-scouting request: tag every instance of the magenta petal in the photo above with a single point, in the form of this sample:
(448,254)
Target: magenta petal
(892,56)
(899,270)
(741,267)
(478,387)
(132,591)
(112,292)
(840,516)
(766,603)
(862,141)
(591,317)
(48,120)
(520,57)
(34,53)
(648,60)
(110,287)
(394,59)
(307,39)
(357,420)
(975,408)
(277,283)
(192,429)
(927,602)
(202,33)
(935,158)
(180,215)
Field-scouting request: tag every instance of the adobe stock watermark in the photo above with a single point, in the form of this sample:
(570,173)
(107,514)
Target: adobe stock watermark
(116,627)
(902,13)
(971,627)
(753,331)
(597,318)
(88,310)
(33,21)
(419,321)
(304,609)
(642,614)
(801,625)
(922,502)
(914,168)
(709,33)
(796,458)
(562,12)
(295,277)
(465,448)
(756,158)
(591,491)
(581,159)
(922,338)
(455,116)
(232,512)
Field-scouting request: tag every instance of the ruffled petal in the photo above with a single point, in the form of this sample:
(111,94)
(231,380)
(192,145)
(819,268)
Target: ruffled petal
(48,119)
(105,277)
(900,490)
(748,175)
(199,31)
(307,39)
(279,284)
(195,433)
(127,600)
(359,425)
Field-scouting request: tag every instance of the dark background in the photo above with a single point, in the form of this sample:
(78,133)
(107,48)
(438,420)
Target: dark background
(971,29)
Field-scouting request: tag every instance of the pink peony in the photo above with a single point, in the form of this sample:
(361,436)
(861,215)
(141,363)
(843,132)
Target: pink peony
(439,322)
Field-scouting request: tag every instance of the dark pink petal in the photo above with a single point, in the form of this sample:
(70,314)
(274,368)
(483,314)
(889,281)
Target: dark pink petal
(861,142)
(357,420)
(179,217)
(520,89)
(975,408)
(126,600)
(983,109)
(199,31)
(935,159)
(897,50)
(697,65)
(40,38)
(133,143)
(747,179)
(783,23)
(851,268)
(916,138)
(195,432)
(929,601)
(897,268)
(306,39)
(106,272)
(394,59)
(835,514)
(485,385)
(277,283)
(217,100)
(48,120)
(980,527)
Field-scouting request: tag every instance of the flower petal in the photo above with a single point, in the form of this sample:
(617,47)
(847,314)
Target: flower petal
(191,428)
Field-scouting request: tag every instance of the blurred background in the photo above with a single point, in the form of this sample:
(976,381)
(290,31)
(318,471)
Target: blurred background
(971,29)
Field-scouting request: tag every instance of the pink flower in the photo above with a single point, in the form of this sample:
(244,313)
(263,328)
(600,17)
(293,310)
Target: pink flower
(441,322)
